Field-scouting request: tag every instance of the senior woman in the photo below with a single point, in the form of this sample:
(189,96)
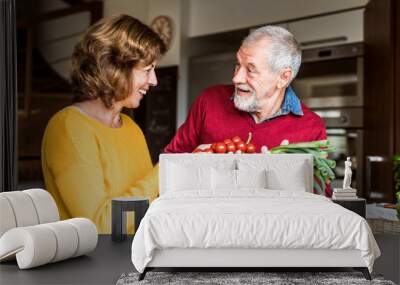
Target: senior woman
(91,152)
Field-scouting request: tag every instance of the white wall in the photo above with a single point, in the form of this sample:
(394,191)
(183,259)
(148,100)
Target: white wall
(171,8)
(136,8)
(211,16)
(146,11)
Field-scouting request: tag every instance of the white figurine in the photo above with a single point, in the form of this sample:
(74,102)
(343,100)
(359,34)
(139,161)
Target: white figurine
(347,174)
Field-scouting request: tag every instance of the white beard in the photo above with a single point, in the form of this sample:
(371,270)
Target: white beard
(247,104)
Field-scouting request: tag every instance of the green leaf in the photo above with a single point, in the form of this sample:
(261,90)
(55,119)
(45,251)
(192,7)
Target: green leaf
(318,188)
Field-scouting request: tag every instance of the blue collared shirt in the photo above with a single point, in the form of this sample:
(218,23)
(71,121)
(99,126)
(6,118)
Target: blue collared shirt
(290,104)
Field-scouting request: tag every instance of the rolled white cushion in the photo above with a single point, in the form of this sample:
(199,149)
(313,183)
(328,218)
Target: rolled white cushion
(87,235)
(45,205)
(23,208)
(33,246)
(7,218)
(41,244)
(67,240)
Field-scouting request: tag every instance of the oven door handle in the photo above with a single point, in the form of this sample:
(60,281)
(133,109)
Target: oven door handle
(368,169)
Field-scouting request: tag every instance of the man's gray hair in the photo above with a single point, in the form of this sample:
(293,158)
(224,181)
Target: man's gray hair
(283,50)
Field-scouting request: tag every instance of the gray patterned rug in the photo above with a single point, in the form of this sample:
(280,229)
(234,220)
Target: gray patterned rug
(229,278)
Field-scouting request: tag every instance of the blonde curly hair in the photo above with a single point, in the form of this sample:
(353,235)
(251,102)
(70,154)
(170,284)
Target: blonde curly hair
(103,60)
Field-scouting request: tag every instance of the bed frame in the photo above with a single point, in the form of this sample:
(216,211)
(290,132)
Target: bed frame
(241,259)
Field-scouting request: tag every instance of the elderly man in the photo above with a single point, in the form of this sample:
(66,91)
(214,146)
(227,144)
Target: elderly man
(261,100)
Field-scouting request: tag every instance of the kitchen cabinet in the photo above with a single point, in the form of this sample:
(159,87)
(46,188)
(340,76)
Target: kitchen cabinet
(381,97)
(341,28)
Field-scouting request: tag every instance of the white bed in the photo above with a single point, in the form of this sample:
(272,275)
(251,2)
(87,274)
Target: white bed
(247,211)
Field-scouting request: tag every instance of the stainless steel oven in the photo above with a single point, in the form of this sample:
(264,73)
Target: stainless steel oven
(331,76)
(345,132)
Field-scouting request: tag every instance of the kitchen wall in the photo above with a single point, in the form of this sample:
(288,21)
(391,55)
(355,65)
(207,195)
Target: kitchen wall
(209,16)
(192,19)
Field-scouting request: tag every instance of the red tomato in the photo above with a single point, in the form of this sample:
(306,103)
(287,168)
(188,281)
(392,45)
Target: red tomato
(227,141)
(230,147)
(213,147)
(250,148)
(241,146)
(220,147)
(236,140)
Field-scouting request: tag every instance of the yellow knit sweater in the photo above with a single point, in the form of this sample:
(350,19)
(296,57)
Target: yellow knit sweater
(86,164)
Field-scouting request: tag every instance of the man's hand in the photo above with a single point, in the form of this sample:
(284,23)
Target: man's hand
(203,148)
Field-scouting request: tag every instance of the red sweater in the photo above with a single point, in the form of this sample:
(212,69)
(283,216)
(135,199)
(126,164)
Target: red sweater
(213,117)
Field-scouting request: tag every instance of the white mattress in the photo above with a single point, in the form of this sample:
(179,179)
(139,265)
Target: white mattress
(252,218)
